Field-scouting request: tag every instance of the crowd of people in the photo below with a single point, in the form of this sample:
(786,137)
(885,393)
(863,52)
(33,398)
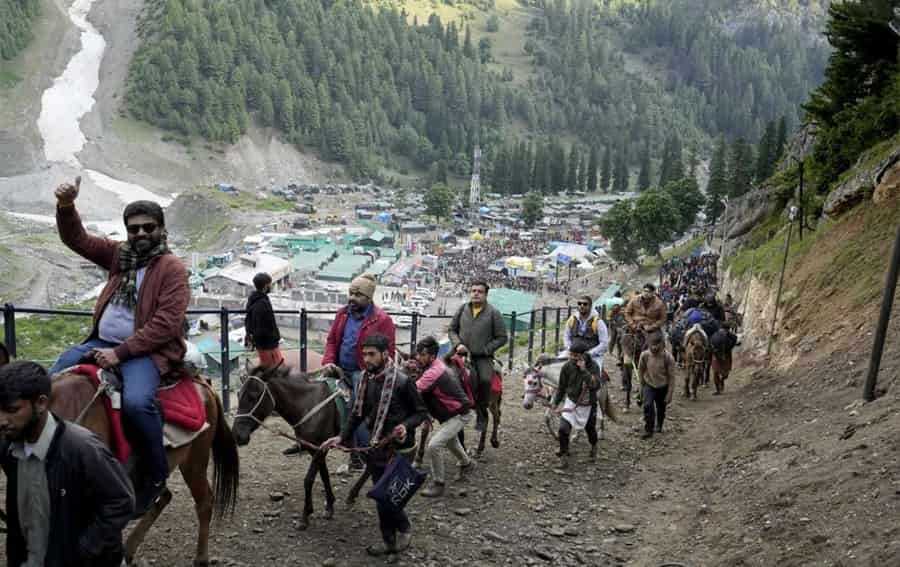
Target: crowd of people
(138,329)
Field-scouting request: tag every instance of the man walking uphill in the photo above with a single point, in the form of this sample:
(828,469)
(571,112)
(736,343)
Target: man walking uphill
(138,321)
(67,498)
(388,402)
(262,330)
(477,329)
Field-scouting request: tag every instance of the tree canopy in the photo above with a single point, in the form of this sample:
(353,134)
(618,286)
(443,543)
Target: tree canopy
(16,18)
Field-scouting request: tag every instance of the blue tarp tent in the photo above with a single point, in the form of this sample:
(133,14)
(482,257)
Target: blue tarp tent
(384,217)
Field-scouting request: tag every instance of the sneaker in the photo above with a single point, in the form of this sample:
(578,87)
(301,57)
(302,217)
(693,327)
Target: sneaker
(435,490)
(403,541)
(381,548)
(647,435)
(293,450)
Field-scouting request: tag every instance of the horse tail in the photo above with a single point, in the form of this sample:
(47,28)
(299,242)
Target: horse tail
(226,464)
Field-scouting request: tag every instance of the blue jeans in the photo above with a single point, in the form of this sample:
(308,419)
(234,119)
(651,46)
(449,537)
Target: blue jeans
(361,435)
(140,382)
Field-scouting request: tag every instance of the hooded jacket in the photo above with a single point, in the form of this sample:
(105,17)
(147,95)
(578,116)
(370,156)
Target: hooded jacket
(443,392)
(260,322)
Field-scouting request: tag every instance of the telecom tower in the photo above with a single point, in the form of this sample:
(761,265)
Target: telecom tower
(475,187)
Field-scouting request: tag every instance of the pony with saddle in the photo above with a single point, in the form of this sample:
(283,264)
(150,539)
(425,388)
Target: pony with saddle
(195,430)
(542,381)
(695,356)
(312,405)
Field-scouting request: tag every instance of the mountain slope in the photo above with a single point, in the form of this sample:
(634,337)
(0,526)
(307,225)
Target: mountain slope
(622,75)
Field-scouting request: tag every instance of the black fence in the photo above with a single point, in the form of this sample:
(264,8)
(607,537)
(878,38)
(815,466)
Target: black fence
(540,322)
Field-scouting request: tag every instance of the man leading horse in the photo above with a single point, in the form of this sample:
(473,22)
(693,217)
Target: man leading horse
(138,320)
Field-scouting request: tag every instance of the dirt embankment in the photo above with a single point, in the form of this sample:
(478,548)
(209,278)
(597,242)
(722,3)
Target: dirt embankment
(792,469)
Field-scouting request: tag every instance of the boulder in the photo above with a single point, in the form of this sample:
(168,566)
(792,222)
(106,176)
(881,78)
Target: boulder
(849,194)
(887,183)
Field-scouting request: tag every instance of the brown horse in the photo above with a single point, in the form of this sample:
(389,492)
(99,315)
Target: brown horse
(695,354)
(73,395)
(306,404)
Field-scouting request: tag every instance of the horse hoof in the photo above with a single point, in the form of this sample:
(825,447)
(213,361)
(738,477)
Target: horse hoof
(303,524)
(201,563)
(329,513)
(495,443)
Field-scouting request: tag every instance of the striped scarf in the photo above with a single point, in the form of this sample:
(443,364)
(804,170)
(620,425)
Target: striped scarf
(388,375)
(129,264)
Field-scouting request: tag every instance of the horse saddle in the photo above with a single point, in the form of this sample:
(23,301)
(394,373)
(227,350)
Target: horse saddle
(180,399)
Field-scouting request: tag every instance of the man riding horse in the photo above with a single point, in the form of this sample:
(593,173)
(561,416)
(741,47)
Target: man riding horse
(645,314)
(138,320)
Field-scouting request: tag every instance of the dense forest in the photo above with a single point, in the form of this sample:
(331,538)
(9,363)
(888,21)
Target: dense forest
(16,18)
(367,87)
(353,82)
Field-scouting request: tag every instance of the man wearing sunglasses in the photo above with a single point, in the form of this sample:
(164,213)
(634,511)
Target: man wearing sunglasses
(589,327)
(138,321)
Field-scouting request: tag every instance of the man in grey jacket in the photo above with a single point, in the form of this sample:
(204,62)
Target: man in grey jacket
(477,330)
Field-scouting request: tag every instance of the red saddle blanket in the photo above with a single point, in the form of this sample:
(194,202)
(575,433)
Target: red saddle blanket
(181,403)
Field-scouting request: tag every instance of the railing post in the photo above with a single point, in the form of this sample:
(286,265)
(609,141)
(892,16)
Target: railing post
(9,328)
(226,359)
(558,323)
(543,330)
(414,332)
(304,322)
(512,340)
(531,321)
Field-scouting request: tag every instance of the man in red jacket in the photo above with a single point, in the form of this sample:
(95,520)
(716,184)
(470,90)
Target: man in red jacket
(138,320)
(352,324)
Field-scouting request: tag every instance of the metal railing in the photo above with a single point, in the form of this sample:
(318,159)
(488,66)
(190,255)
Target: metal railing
(537,325)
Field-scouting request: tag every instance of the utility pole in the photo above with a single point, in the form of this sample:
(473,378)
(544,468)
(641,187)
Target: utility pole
(787,248)
(884,317)
(724,229)
(802,211)
(475,185)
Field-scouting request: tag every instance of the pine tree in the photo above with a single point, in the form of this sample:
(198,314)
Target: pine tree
(620,184)
(765,153)
(717,186)
(645,175)
(741,168)
(582,173)
(780,140)
(468,48)
(572,174)
(593,165)
(606,173)
(665,168)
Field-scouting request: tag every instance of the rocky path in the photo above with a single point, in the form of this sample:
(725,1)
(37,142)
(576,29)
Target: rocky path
(518,508)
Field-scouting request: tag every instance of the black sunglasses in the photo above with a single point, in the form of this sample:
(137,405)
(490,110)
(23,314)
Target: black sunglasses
(136,228)
(583,303)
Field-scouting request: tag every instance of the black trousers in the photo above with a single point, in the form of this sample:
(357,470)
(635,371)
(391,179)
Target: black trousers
(654,407)
(483,367)
(565,431)
(390,521)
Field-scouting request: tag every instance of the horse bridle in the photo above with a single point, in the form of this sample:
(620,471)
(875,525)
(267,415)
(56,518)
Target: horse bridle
(266,392)
(538,390)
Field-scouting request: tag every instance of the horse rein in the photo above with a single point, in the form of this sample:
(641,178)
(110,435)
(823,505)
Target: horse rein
(295,438)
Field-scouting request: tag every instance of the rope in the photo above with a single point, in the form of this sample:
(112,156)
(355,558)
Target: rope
(84,411)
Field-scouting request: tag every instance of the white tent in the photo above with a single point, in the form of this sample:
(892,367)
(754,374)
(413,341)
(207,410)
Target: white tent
(576,252)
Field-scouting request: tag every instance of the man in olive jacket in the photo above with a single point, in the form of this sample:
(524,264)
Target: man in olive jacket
(67,498)
(477,329)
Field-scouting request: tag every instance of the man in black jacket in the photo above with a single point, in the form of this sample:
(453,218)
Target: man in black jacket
(67,498)
(390,405)
(262,330)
